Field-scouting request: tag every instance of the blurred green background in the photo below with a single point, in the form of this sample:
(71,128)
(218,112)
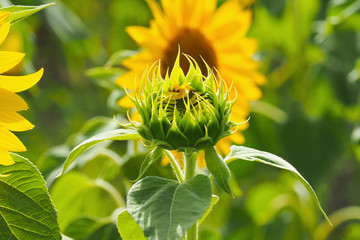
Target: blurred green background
(309,115)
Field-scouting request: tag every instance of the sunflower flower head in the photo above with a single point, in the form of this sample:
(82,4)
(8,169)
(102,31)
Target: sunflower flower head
(203,30)
(183,111)
(10,102)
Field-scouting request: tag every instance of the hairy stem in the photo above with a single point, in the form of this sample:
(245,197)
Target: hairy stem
(175,165)
(190,171)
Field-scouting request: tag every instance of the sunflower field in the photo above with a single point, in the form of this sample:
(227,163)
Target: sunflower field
(180,119)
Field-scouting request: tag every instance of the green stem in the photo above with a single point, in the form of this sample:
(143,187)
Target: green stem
(175,165)
(190,171)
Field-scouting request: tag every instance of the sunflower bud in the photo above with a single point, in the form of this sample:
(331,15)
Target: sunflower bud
(181,111)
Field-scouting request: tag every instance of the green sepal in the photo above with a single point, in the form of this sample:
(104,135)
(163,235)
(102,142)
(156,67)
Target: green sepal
(192,130)
(152,157)
(144,132)
(218,168)
(156,127)
(176,138)
(203,142)
(213,128)
(165,123)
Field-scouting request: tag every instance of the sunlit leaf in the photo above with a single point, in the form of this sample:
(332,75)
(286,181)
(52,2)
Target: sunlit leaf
(214,200)
(26,211)
(21,12)
(74,195)
(119,134)
(166,209)
(249,154)
(88,227)
(128,228)
(338,218)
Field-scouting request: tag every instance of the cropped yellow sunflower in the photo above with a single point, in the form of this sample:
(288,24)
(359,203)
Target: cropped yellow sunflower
(10,102)
(201,31)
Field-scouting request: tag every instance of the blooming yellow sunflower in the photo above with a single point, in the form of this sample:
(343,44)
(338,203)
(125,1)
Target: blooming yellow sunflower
(200,30)
(10,102)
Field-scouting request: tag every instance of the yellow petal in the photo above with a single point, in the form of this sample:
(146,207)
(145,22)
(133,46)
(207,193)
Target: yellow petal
(10,142)
(172,12)
(243,84)
(198,13)
(20,83)
(14,122)
(236,45)
(161,24)
(179,157)
(126,102)
(4,31)
(9,60)
(3,16)
(245,69)
(224,144)
(5,158)
(147,39)
(236,59)
(201,160)
(140,61)
(136,116)
(130,80)
(228,20)
(237,138)
(10,102)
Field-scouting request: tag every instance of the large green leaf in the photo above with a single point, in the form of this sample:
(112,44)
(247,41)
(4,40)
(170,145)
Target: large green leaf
(249,154)
(21,12)
(26,211)
(128,228)
(166,209)
(119,134)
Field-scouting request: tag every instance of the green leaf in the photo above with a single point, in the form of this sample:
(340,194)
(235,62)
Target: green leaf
(76,195)
(128,228)
(166,209)
(26,211)
(88,228)
(214,200)
(21,12)
(152,157)
(249,154)
(218,168)
(119,134)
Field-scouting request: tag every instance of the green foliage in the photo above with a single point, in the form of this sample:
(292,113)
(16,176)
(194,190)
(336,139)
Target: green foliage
(153,156)
(26,211)
(21,12)
(120,134)
(218,168)
(166,209)
(128,228)
(88,197)
(249,154)
(309,114)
